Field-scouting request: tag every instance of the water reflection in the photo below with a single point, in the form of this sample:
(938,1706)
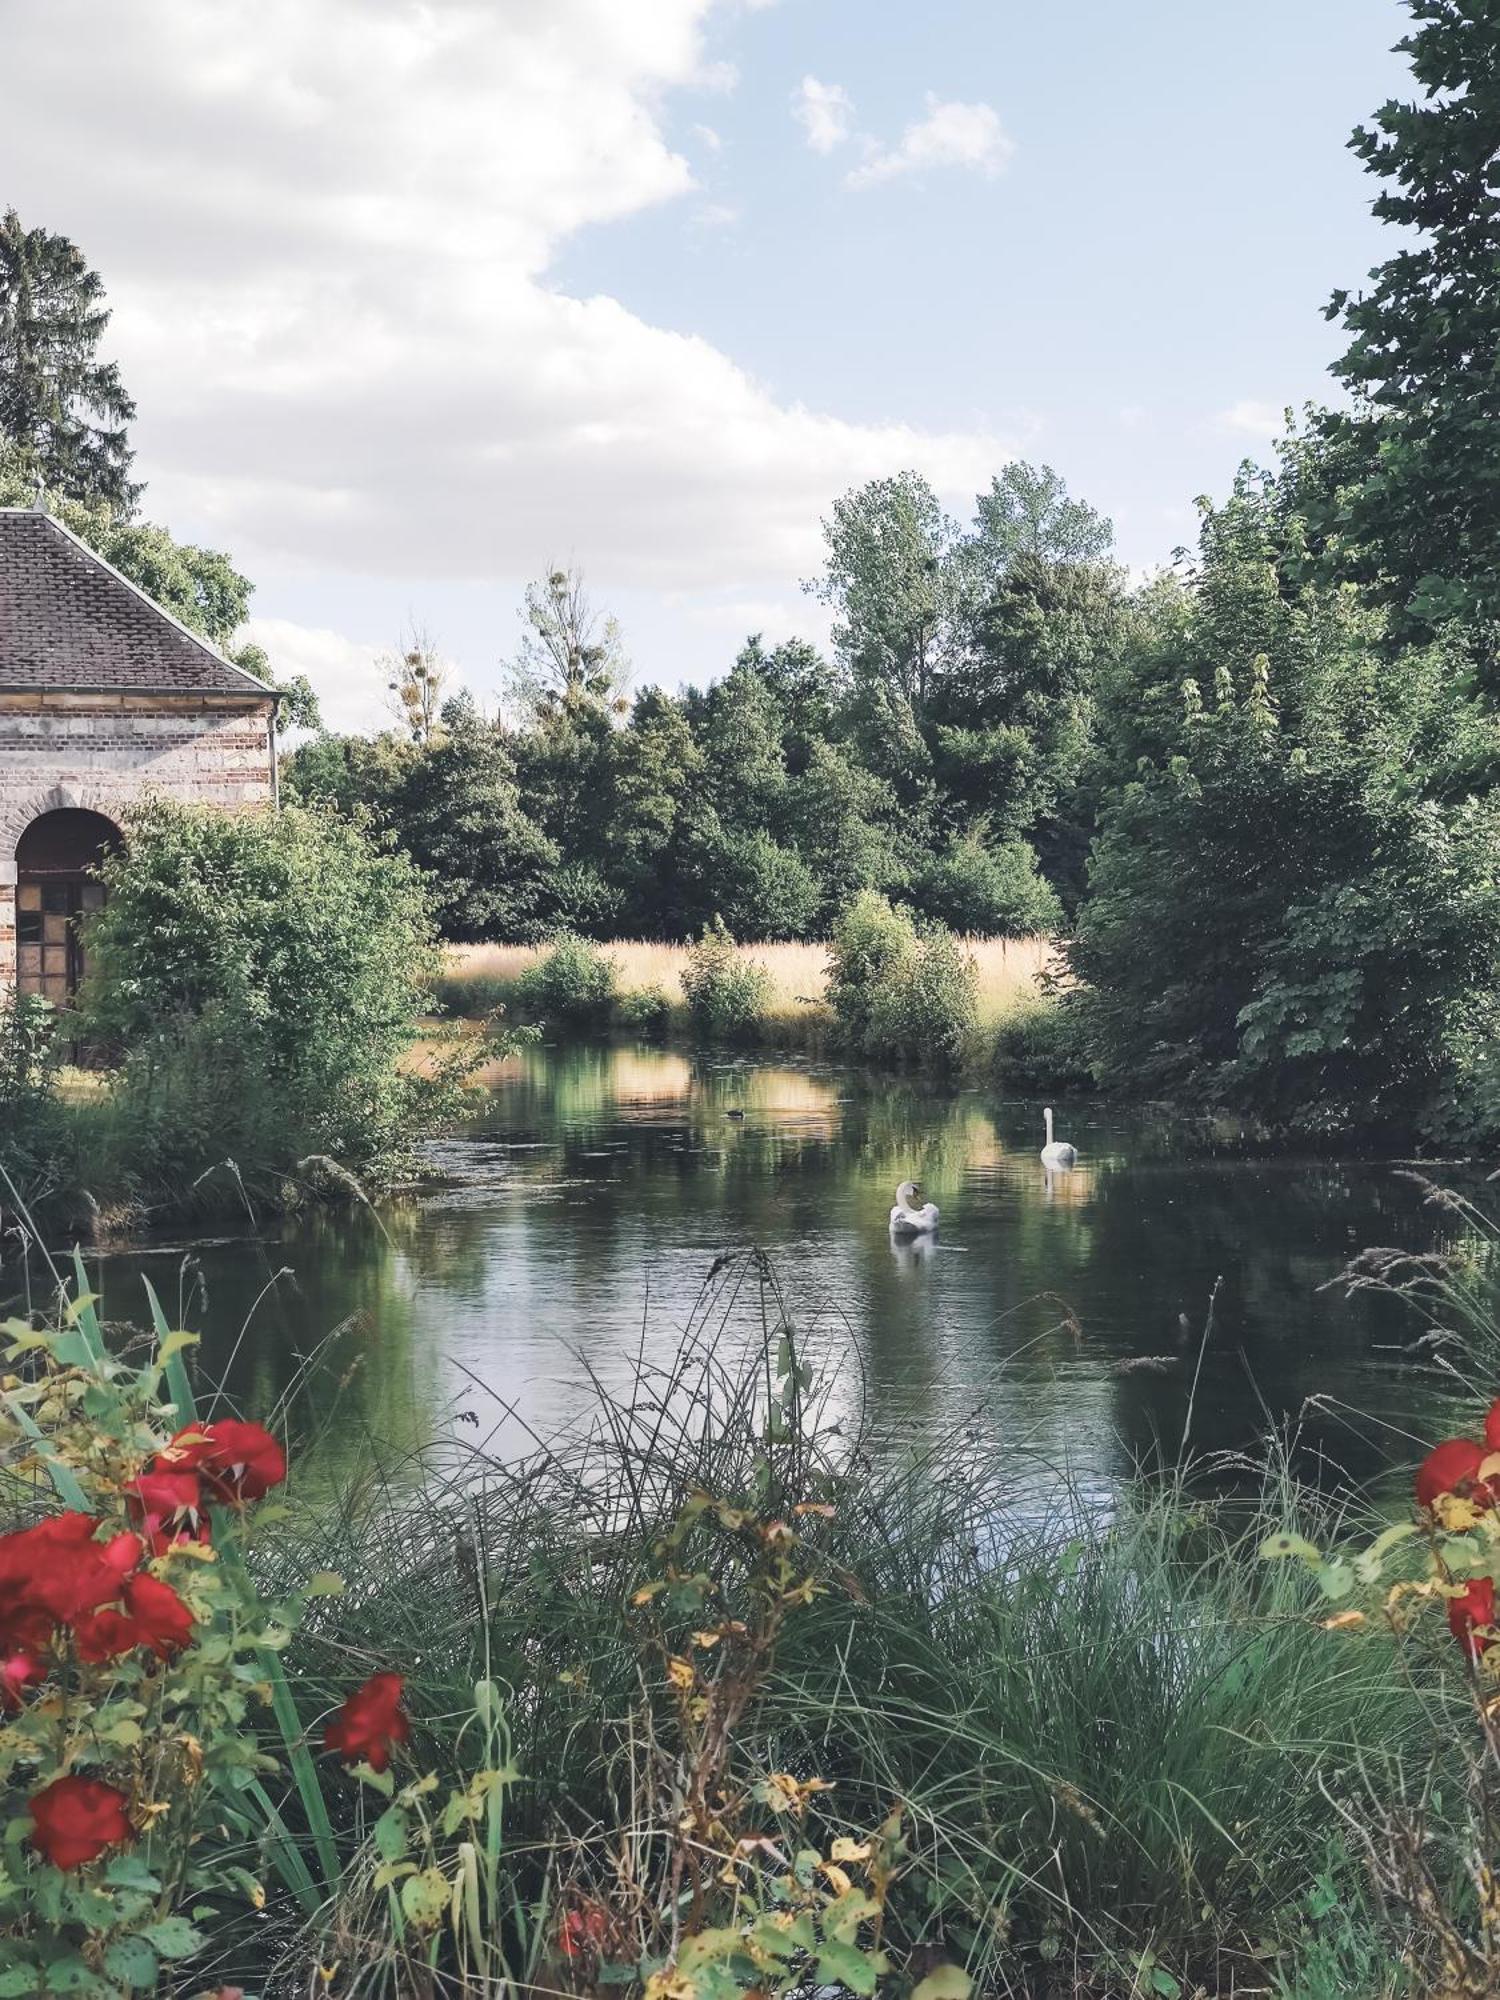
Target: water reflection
(574,1226)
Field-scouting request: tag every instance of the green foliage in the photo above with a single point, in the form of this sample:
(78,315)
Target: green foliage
(1293,899)
(726,992)
(1111,1731)
(1041,1049)
(172,1728)
(63,411)
(1419,506)
(572,986)
(644,1011)
(262,975)
(988,891)
(31,1120)
(958,713)
(899,992)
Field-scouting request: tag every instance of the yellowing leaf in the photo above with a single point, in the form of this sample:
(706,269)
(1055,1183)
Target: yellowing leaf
(681,1673)
(174,1344)
(944,1982)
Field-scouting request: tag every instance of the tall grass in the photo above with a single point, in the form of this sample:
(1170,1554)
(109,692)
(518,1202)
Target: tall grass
(478,978)
(1119,1739)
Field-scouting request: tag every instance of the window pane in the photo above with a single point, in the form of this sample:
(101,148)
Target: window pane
(29,927)
(29,896)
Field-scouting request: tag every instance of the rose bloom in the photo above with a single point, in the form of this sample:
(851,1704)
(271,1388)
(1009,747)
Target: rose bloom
(73,1820)
(369,1722)
(236,1461)
(1453,1467)
(1492,1425)
(1473,1607)
(154,1616)
(57,1572)
(18,1671)
(168,1507)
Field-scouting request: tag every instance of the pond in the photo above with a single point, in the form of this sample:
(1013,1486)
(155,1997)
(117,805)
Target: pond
(576,1224)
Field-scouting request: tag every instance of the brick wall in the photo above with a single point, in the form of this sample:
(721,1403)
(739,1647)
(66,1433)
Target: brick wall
(105,753)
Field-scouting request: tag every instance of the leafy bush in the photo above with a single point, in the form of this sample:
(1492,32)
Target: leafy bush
(1042,1047)
(988,891)
(264,975)
(727,994)
(927,1015)
(762,890)
(571,986)
(644,1011)
(872,945)
(30,1116)
(899,992)
(1293,905)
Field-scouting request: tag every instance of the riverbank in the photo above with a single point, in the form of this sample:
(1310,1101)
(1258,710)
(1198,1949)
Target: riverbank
(794,1014)
(938,1705)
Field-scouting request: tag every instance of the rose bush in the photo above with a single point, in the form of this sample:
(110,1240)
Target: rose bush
(136,1664)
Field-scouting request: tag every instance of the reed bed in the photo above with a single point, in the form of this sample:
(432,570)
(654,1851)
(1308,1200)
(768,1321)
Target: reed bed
(1011,971)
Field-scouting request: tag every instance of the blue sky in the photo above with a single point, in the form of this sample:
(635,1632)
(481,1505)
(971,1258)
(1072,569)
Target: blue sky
(400,290)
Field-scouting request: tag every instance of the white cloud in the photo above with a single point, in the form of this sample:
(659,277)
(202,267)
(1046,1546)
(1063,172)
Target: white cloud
(825,112)
(351,693)
(326,232)
(1253,419)
(951,135)
(707,137)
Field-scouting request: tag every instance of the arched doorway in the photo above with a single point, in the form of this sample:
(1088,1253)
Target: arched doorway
(55,888)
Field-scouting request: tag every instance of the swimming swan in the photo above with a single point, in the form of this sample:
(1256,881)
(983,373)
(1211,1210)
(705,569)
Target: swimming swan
(906,1218)
(1057,1152)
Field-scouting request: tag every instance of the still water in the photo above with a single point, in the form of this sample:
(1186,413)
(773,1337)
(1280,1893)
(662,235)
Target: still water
(576,1222)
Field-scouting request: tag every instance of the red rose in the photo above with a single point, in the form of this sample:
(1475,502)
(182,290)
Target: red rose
(369,1722)
(57,1572)
(1492,1426)
(237,1461)
(154,1616)
(1473,1607)
(73,1820)
(17,1672)
(1453,1467)
(168,1507)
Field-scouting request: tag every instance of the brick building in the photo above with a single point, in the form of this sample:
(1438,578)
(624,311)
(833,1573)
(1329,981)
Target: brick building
(104,700)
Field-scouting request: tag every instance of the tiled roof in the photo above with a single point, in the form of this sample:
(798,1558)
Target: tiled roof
(68,620)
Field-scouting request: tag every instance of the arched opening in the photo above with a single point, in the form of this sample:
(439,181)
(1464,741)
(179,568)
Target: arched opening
(56,887)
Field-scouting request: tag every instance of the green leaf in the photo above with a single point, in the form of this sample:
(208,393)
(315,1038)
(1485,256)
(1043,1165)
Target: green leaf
(174,1344)
(389,1834)
(19,1980)
(844,1965)
(174,1937)
(1162,1982)
(132,1961)
(324,1583)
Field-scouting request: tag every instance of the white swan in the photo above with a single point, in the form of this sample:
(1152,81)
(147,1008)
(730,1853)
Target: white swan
(1056,1152)
(909,1220)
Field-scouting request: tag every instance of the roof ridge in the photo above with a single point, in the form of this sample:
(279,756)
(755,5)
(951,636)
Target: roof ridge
(177,646)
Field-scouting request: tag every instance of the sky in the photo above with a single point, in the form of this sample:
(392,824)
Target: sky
(417,301)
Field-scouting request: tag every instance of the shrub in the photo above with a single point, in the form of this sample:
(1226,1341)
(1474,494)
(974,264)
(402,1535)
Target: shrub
(872,945)
(988,891)
(927,1015)
(901,993)
(727,994)
(644,1011)
(264,975)
(1041,1047)
(31,1118)
(572,986)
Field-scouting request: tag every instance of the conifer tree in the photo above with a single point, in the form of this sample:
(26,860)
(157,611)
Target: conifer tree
(63,411)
